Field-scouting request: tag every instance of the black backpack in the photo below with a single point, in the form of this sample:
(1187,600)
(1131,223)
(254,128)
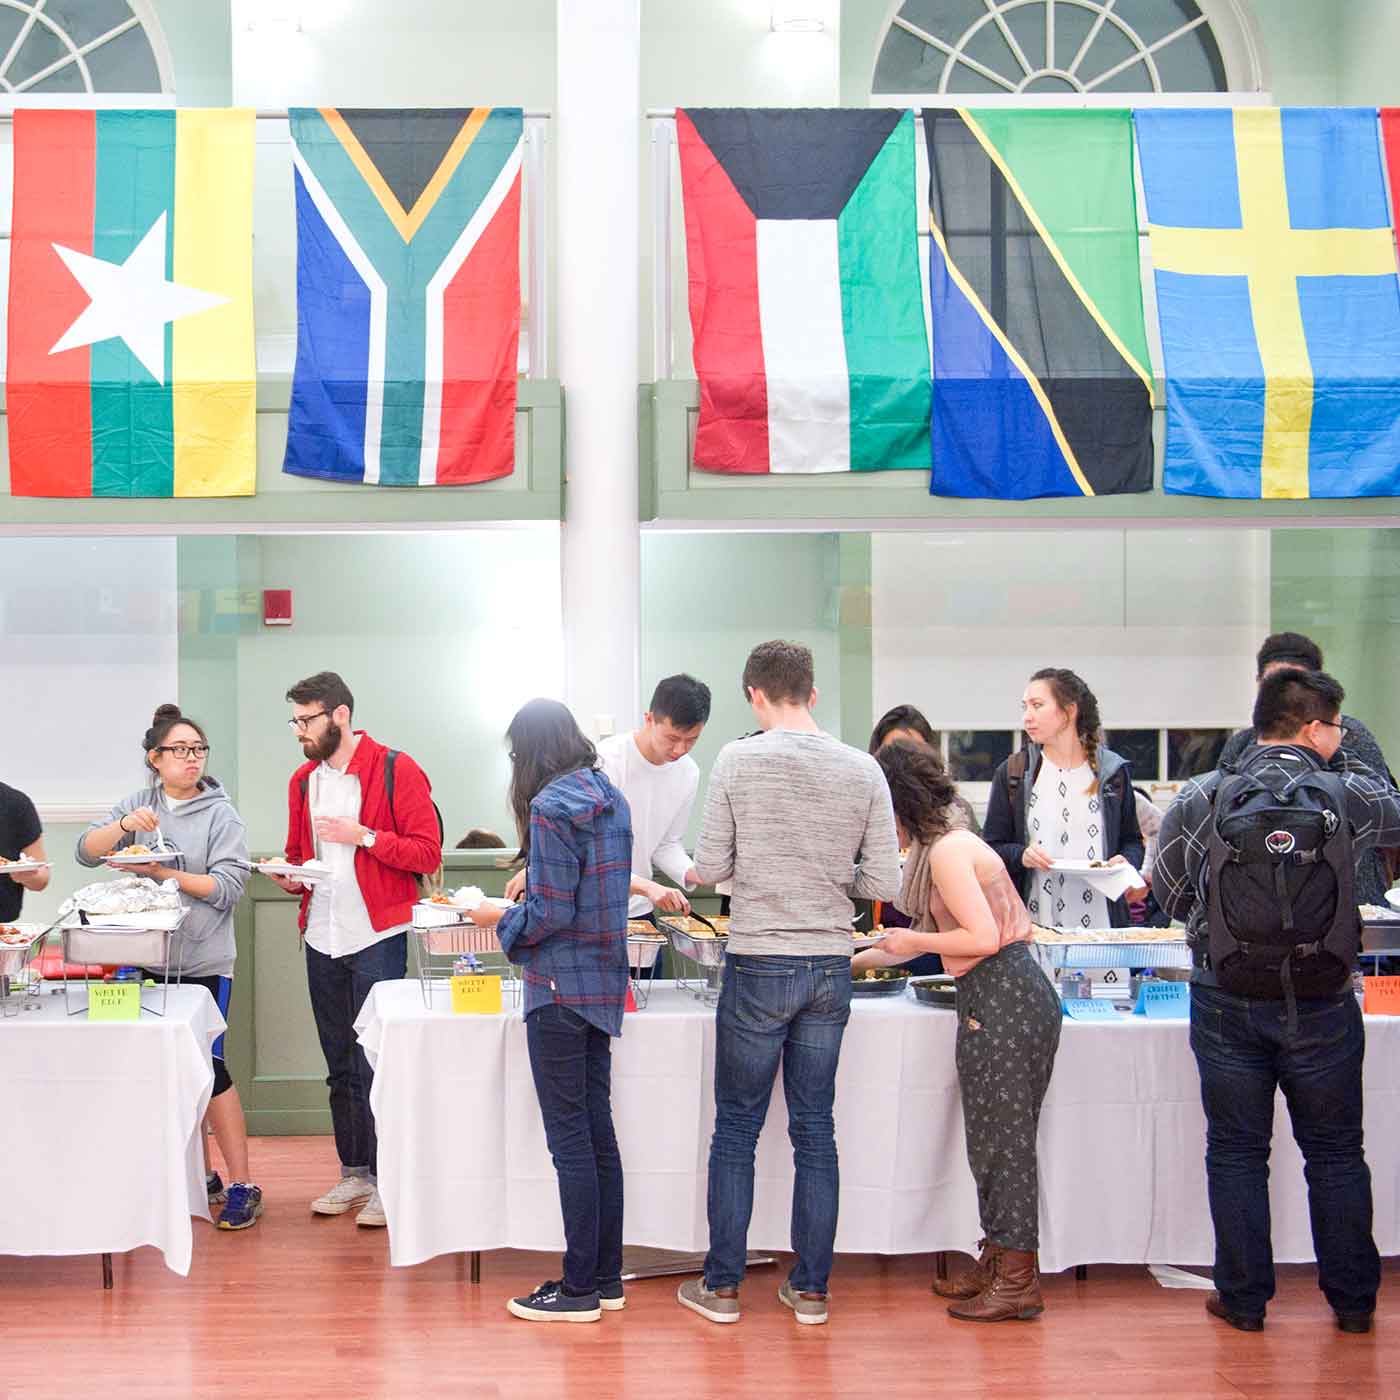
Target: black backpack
(1281,910)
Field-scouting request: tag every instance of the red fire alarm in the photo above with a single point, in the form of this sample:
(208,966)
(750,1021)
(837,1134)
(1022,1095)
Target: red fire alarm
(277,607)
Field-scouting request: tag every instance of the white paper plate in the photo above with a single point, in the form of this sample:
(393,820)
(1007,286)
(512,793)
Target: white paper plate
(1392,898)
(291,872)
(154,858)
(24,867)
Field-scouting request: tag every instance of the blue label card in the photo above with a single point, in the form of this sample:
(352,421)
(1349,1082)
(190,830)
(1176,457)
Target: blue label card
(1089,1009)
(1164,1001)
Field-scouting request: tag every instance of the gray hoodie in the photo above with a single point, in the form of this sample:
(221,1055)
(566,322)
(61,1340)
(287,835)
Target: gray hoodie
(210,835)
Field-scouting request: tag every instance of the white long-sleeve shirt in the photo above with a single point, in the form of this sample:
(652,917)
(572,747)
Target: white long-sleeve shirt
(661,796)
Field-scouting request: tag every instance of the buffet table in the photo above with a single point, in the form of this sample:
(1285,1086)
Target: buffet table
(102,1150)
(463,1164)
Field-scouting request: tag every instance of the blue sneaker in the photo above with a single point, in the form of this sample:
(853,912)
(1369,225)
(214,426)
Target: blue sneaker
(549,1303)
(214,1185)
(242,1208)
(611,1296)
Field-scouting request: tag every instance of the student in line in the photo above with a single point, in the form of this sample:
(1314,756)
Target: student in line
(801,823)
(569,935)
(21,838)
(965,907)
(367,812)
(193,814)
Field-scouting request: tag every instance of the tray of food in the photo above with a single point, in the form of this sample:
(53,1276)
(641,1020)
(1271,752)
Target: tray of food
(308,872)
(936,991)
(115,945)
(17,944)
(22,865)
(1135,946)
(698,942)
(644,942)
(878,981)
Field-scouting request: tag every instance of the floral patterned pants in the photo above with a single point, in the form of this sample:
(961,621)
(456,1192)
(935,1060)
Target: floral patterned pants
(1009,1018)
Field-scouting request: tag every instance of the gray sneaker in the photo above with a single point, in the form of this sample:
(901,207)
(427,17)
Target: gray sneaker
(809,1308)
(715,1307)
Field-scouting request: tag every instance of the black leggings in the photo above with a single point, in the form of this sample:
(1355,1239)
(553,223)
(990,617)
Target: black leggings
(221,989)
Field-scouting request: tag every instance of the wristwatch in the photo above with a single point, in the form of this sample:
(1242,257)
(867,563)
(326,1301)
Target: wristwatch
(367,840)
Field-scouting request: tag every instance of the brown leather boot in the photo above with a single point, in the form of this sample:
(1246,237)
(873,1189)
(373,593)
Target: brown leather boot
(1013,1295)
(968,1283)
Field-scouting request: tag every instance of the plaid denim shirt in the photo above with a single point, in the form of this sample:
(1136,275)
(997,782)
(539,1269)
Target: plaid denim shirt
(569,934)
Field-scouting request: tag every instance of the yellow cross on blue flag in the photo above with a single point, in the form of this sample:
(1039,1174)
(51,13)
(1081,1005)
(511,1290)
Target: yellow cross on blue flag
(1278,301)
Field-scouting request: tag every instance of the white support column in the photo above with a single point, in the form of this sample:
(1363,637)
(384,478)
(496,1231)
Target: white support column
(598,140)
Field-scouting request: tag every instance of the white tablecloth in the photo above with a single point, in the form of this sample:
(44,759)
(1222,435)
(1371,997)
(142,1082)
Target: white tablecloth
(463,1163)
(101,1145)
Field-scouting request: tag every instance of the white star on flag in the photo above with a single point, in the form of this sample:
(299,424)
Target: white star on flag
(131,301)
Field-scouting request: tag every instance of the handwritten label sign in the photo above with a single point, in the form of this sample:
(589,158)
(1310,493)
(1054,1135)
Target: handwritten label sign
(114,1001)
(476,996)
(1087,1009)
(1382,996)
(1164,1001)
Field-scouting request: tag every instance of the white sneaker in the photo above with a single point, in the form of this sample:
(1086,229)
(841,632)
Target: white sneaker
(373,1213)
(345,1195)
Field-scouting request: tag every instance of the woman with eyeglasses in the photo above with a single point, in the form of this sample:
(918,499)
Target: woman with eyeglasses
(181,807)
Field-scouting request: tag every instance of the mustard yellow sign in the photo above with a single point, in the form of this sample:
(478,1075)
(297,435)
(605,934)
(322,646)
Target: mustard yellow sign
(476,996)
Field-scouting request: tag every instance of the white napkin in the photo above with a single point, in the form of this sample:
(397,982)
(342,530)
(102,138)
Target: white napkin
(1113,881)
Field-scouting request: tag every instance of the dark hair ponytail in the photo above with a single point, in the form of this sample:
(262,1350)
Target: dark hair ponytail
(1069,689)
(545,744)
(163,721)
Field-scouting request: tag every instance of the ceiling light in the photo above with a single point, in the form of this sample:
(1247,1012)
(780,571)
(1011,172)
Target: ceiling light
(797,17)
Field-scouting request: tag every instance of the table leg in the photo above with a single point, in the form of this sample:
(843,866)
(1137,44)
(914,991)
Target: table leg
(940,1264)
(1081,1273)
(106,1271)
(476,1266)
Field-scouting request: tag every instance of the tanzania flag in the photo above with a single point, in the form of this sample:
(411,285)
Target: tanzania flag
(408,295)
(805,298)
(1278,298)
(1041,379)
(131,368)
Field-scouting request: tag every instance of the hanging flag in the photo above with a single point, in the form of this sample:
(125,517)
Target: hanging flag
(131,367)
(1041,377)
(805,296)
(408,295)
(1278,300)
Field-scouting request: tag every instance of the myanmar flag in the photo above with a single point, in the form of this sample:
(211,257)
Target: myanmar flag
(1041,378)
(408,295)
(131,366)
(805,295)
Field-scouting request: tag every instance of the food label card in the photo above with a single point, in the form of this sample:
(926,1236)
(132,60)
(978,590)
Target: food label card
(1164,1001)
(1089,1009)
(476,996)
(1382,996)
(114,1001)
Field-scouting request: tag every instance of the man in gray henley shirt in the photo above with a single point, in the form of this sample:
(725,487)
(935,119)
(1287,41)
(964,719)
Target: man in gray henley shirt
(800,823)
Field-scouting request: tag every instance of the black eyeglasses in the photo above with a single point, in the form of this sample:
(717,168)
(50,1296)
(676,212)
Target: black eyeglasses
(184,750)
(300,723)
(1342,730)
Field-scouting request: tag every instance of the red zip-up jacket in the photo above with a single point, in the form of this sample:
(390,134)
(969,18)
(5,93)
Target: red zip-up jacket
(406,840)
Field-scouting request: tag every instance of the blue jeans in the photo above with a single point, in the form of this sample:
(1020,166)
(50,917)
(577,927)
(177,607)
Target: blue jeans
(1244,1053)
(338,989)
(771,1009)
(571,1061)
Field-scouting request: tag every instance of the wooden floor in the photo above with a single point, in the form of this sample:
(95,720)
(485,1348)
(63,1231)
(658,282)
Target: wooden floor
(306,1307)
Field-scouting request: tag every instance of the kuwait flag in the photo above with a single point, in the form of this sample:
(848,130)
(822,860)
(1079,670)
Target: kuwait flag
(408,295)
(805,293)
(131,367)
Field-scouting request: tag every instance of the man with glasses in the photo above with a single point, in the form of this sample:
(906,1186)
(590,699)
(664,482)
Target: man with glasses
(1257,862)
(1359,746)
(366,811)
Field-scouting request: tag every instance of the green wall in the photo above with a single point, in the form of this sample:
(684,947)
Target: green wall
(1368,40)
(1342,589)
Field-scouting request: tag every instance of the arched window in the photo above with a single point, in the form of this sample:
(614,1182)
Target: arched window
(82,46)
(1067,47)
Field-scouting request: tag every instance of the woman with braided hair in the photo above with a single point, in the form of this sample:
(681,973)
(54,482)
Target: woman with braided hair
(1065,796)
